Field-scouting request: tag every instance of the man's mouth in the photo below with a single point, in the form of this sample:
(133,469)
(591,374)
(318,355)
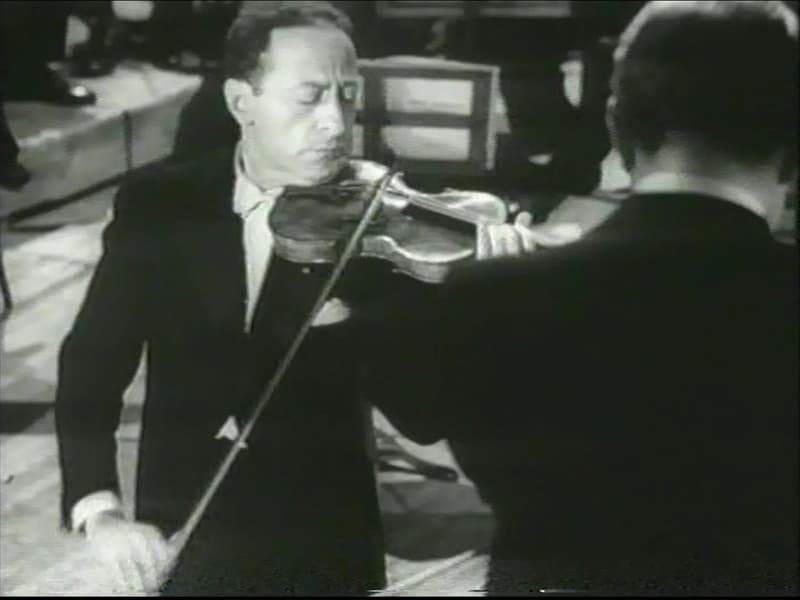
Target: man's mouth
(329,152)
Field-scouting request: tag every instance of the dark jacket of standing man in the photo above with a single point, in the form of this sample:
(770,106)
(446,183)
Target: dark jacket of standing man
(181,274)
(627,404)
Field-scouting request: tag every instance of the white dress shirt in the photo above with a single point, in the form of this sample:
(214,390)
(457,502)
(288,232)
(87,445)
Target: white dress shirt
(253,204)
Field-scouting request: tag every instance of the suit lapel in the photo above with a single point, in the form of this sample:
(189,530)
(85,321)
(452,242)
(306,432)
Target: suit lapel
(213,257)
(210,250)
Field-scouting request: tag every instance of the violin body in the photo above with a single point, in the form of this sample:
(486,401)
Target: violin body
(422,235)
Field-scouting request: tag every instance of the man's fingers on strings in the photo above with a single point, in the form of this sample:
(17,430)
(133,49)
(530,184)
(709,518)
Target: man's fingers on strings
(522,225)
(495,239)
(524,219)
(513,241)
(508,241)
(482,242)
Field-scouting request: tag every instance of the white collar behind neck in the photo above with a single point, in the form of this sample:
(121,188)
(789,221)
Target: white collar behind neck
(678,182)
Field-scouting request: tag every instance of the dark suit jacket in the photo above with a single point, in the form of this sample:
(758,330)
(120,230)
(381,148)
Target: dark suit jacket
(298,511)
(628,404)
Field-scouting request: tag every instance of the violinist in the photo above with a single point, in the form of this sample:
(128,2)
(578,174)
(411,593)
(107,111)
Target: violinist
(189,272)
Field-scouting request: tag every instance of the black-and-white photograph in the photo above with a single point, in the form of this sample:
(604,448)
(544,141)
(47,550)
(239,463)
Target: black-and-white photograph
(399,298)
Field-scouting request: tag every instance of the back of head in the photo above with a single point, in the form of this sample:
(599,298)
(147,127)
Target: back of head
(722,72)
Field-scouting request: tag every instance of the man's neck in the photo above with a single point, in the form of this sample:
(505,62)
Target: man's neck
(758,181)
(260,173)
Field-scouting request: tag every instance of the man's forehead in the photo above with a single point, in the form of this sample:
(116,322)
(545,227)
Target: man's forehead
(311,53)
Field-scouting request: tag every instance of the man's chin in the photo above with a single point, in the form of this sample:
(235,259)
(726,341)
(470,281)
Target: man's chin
(323,173)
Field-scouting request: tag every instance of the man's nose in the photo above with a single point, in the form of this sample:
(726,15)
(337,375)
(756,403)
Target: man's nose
(332,117)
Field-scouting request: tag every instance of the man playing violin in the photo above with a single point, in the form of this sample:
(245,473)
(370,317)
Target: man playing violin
(188,273)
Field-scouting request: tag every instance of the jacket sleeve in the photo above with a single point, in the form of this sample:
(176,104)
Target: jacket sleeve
(404,368)
(99,358)
(433,350)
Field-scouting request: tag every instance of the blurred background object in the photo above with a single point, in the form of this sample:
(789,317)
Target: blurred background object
(13,174)
(33,36)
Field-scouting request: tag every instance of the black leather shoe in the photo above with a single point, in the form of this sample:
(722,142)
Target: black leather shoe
(76,95)
(48,86)
(64,93)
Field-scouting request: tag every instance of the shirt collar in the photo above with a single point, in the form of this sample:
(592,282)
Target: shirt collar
(249,194)
(676,182)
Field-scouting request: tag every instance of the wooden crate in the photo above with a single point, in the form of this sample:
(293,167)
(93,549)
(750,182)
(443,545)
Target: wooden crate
(435,116)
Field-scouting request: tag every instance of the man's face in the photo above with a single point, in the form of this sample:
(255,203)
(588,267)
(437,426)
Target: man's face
(299,121)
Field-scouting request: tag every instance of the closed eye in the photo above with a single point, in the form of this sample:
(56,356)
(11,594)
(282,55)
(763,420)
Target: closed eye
(310,94)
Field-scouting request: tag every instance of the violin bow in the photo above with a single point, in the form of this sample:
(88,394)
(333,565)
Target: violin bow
(180,539)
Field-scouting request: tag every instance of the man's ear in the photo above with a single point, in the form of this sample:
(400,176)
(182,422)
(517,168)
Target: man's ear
(617,135)
(239,100)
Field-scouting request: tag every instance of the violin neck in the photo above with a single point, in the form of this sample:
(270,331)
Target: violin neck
(425,202)
(439,208)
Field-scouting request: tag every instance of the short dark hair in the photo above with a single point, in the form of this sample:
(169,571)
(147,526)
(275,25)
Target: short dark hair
(249,35)
(725,72)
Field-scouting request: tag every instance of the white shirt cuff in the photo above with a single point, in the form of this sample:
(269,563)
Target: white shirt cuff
(93,504)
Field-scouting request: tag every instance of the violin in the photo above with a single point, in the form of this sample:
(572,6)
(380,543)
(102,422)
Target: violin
(422,235)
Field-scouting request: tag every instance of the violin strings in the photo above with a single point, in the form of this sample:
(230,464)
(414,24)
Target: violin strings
(447,211)
(457,213)
(420,200)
